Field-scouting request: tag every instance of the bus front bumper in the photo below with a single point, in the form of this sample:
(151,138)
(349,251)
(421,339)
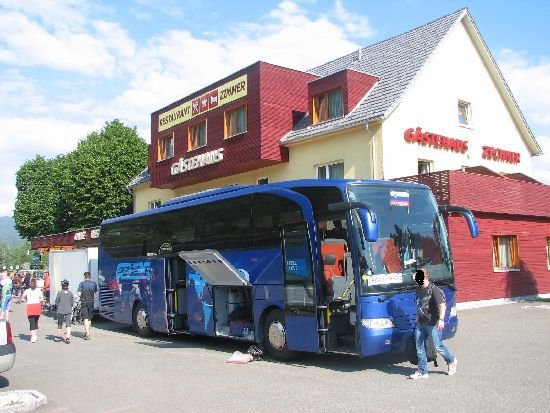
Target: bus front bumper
(378,339)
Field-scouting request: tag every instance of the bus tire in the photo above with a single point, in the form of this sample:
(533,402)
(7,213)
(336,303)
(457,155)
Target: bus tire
(274,337)
(140,320)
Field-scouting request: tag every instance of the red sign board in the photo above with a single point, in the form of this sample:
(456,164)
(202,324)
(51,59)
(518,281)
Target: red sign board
(435,141)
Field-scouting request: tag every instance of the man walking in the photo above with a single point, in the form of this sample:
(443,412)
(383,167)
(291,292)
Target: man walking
(430,321)
(64,305)
(86,291)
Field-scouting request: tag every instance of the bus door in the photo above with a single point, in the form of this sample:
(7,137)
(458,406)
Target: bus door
(158,317)
(299,285)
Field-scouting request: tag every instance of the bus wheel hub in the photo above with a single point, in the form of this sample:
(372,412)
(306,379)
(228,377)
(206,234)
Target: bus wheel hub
(141,318)
(276,335)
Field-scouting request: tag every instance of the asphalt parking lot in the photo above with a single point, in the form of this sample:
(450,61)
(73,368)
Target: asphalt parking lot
(504,365)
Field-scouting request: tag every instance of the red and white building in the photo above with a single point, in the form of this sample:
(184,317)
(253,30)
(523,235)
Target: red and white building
(431,101)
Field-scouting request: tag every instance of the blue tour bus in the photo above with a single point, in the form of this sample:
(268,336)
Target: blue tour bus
(306,265)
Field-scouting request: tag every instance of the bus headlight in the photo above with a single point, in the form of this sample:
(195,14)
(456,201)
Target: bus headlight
(377,323)
(452,313)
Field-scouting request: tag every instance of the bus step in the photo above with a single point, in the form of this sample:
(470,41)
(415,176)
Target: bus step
(171,315)
(170,290)
(323,330)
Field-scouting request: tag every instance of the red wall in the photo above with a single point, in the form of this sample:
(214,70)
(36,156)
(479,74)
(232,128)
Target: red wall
(502,207)
(282,92)
(475,277)
(273,93)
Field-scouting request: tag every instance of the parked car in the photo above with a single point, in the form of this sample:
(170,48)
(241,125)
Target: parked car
(7,347)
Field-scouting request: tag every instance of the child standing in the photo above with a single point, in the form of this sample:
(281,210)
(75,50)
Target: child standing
(64,304)
(34,299)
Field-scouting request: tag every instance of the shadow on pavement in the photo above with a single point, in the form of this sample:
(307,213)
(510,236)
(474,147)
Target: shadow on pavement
(24,337)
(393,363)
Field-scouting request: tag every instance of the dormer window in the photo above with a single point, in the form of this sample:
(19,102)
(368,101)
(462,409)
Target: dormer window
(328,105)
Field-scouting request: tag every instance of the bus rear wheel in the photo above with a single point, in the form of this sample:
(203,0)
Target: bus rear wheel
(275,337)
(140,321)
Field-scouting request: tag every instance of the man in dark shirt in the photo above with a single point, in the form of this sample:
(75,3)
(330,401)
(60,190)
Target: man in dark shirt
(430,321)
(86,291)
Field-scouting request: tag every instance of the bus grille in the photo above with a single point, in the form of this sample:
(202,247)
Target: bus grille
(106,301)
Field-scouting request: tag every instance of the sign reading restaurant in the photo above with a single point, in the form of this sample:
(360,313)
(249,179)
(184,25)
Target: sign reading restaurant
(226,93)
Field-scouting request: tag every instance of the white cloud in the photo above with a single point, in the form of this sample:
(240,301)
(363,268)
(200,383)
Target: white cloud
(22,139)
(176,63)
(529,80)
(20,93)
(33,45)
(354,24)
(83,52)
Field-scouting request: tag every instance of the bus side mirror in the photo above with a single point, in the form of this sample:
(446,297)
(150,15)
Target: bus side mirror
(466,213)
(369,223)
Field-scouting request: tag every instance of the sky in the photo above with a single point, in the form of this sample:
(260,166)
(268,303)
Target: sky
(69,66)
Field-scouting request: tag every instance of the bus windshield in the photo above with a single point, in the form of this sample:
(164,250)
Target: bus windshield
(411,232)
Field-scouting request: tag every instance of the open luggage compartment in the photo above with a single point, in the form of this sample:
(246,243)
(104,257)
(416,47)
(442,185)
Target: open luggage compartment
(233,312)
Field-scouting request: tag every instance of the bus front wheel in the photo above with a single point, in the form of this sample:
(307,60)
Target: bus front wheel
(141,321)
(275,337)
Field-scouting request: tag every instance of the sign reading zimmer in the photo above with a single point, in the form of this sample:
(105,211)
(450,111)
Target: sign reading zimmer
(228,92)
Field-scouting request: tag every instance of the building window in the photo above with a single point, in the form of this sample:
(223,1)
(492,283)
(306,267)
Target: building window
(425,167)
(464,113)
(331,171)
(328,105)
(505,252)
(235,122)
(154,204)
(263,181)
(197,136)
(166,148)
(548,252)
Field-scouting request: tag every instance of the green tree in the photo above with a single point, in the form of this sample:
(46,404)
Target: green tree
(81,188)
(97,173)
(37,198)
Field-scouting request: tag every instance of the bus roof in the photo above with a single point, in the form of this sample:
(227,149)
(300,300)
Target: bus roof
(234,190)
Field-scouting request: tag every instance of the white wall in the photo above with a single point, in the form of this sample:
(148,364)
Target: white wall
(454,72)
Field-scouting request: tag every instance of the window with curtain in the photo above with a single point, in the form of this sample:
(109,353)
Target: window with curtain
(166,148)
(464,113)
(424,167)
(197,136)
(331,171)
(328,105)
(235,122)
(505,252)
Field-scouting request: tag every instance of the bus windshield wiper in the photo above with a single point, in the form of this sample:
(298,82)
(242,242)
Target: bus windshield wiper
(390,294)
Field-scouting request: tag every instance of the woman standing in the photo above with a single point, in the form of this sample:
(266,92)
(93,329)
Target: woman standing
(33,297)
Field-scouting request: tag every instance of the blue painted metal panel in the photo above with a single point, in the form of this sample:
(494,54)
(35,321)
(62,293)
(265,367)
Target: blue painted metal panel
(199,304)
(157,293)
(401,308)
(304,335)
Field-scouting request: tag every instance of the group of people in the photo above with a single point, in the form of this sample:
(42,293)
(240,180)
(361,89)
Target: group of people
(33,292)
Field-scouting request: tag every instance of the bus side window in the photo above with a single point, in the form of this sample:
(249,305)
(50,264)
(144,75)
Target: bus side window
(129,238)
(225,224)
(269,213)
(176,229)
